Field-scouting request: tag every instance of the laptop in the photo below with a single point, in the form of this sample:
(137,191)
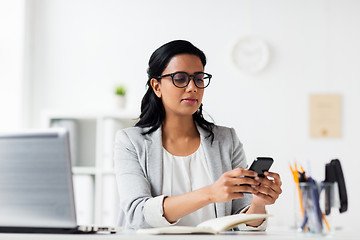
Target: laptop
(36,187)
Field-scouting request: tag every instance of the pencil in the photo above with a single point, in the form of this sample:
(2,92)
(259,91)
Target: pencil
(296,179)
(325,221)
(322,214)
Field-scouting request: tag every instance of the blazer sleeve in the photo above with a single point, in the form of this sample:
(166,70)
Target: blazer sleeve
(139,208)
(128,170)
(238,159)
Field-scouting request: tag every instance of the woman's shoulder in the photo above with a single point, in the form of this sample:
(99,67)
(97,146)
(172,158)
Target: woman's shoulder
(130,138)
(222,132)
(227,136)
(131,132)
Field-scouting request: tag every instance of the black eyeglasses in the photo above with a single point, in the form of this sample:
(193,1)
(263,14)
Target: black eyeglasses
(182,79)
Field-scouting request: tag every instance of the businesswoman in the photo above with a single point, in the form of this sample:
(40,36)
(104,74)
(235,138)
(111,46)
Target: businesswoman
(176,168)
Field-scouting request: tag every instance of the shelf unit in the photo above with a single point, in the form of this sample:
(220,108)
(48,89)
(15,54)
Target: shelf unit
(91,143)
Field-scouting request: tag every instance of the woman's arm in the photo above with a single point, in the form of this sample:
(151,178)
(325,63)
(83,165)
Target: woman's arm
(143,210)
(229,186)
(128,170)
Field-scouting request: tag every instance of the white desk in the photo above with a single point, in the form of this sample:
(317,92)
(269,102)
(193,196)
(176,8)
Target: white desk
(268,235)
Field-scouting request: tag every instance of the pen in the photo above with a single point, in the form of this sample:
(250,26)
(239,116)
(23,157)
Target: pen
(303,225)
(302,170)
(317,215)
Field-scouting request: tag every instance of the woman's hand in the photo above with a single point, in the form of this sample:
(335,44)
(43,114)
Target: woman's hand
(231,185)
(268,189)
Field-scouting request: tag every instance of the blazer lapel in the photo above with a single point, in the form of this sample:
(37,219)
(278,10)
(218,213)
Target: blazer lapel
(154,166)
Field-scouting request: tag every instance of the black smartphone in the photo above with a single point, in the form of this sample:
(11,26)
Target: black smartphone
(261,164)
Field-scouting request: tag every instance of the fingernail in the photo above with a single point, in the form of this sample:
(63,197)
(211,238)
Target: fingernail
(257,178)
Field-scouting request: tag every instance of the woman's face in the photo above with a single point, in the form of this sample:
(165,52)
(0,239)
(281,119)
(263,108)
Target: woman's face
(180,101)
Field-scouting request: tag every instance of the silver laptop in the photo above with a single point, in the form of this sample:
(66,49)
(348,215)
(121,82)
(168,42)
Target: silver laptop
(36,188)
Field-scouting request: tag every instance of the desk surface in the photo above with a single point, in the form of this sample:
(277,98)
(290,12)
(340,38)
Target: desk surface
(270,234)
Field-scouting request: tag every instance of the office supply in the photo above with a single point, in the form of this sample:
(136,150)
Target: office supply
(309,201)
(36,188)
(334,174)
(326,222)
(329,178)
(309,196)
(296,180)
(313,216)
(212,226)
(316,213)
(339,176)
(310,219)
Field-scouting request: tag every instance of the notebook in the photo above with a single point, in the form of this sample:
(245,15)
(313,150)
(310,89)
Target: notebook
(36,187)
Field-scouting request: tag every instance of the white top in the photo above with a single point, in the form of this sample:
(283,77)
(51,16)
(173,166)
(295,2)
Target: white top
(186,174)
(182,175)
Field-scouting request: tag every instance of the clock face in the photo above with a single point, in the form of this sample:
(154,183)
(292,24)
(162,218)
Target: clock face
(251,54)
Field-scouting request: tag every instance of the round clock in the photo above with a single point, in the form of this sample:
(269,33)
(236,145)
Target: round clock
(251,54)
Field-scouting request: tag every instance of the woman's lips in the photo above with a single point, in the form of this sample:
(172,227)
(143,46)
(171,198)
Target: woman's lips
(190,100)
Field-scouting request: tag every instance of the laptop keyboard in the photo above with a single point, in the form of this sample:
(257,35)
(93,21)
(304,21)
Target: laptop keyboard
(94,229)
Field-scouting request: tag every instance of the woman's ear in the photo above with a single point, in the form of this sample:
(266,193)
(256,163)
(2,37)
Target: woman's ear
(156,87)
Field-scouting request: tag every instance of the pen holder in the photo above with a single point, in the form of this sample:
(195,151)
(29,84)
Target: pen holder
(315,201)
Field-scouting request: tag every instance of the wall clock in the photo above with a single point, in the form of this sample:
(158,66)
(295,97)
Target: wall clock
(251,54)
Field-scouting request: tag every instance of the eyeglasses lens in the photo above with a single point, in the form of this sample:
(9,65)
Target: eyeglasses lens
(201,80)
(180,79)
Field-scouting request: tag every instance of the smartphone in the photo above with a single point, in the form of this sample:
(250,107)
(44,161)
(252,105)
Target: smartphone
(261,164)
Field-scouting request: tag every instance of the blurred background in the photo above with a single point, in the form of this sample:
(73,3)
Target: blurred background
(67,56)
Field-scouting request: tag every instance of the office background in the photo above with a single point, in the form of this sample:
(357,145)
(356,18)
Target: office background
(65,55)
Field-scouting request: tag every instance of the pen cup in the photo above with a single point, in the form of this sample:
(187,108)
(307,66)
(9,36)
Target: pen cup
(313,207)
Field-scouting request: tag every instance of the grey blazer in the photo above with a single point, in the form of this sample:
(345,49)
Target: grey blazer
(138,168)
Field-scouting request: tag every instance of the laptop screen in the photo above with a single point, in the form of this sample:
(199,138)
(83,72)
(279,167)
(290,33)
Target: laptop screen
(36,180)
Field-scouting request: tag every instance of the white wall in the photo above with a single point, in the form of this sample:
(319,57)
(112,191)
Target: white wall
(12,32)
(81,49)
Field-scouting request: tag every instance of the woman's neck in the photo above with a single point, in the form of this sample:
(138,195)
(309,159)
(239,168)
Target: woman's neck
(180,136)
(179,127)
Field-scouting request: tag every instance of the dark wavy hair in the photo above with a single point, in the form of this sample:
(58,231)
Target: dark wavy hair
(152,109)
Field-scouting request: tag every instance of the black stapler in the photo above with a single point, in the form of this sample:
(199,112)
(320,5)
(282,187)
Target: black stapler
(334,173)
